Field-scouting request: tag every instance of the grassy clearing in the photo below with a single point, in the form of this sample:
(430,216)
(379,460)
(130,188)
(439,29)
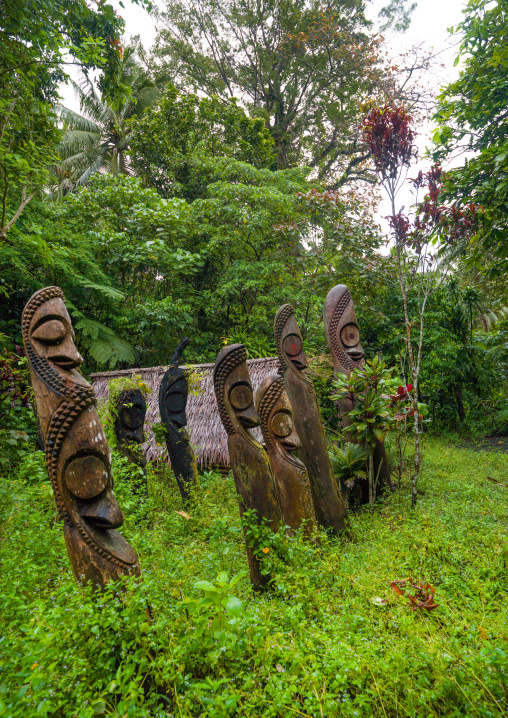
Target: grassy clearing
(318,645)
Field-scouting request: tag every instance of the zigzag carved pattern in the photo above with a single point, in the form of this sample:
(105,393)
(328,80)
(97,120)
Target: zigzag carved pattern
(339,310)
(266,405)
(231,360)
(77,398)
(286,312)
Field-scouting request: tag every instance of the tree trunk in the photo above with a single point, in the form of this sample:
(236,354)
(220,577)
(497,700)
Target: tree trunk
(416,474)
(372,495)
(457,392)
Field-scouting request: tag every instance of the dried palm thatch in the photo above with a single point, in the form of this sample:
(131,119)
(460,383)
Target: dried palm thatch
(207,434)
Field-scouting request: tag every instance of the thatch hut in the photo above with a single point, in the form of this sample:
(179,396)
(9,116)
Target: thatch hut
(207,434)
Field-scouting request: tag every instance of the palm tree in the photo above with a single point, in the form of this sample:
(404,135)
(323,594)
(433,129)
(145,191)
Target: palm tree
(98,139)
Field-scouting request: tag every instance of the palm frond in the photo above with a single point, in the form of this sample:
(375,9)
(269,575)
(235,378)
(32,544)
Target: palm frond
(146,97)
(103,289)
(81,160)
(94,167)
(89,100)
(73,120)
(75,141)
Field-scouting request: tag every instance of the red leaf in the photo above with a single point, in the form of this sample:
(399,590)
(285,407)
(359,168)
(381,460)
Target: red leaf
(395,588)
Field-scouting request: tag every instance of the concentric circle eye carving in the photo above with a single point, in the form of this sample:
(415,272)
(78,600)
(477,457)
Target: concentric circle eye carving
(282,424)
(51,332)
(350,335)
(293,345)
(86,477)
(240,397)
(175,401)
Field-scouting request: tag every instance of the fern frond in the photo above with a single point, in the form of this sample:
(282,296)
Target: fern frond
(108,292)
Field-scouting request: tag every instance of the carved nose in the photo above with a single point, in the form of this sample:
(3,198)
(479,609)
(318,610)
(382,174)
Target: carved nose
(65,355)
(179,419)
(104,512)
(248,418)
(292,442)
(136,436)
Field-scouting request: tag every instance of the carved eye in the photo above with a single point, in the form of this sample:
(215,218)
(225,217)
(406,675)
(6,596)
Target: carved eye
(133,416)
(175,402)
(350,335)
(86,477)
(282,424)
(240,396)
(293,345)
(51,332)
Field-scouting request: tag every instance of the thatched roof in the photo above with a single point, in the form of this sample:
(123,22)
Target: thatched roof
(207,434)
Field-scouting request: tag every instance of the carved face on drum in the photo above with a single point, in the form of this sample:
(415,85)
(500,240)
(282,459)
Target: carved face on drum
(130,418)
(276,415)
(173,392)
(77,452)
(288,339)
(233,390)
(341,329)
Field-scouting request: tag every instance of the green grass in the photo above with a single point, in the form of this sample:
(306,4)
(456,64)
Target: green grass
(317,645)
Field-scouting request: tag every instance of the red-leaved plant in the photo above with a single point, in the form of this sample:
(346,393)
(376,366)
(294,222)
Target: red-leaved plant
(422,240)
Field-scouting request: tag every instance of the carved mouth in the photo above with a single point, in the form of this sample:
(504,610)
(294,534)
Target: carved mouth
(135,437)
(100,522)
(289,446)
(299,364)
(64,362)
(356,356)
(247,422)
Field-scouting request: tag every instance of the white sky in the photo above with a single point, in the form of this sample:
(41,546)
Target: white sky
(429,26)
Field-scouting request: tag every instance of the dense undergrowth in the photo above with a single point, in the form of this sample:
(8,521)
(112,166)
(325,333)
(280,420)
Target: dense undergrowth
(321,644)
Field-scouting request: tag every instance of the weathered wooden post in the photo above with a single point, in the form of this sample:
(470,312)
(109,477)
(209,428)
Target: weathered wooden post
(328,504)
(343,337)
(173,394)
(249,461)
(281,441)
(77,452)
(129,426)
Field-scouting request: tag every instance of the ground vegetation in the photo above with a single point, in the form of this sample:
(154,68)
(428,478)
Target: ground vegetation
(337,635)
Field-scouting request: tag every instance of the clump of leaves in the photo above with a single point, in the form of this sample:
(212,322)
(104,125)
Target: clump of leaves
(368,388)
(424,593)
(218,609)
(349,464)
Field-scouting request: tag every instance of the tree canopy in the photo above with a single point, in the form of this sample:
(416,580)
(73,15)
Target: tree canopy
(99,138)
(304,68)
(472,120)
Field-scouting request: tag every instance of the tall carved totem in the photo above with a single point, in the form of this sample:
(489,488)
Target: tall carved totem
(78,457)
(129,425)
(249,461)
(328,504)
(281,441)
(173,393)
(343,337)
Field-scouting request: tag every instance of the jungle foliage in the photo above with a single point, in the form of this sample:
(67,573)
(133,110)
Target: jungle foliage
(473,121)
(204,217)
(199,188)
